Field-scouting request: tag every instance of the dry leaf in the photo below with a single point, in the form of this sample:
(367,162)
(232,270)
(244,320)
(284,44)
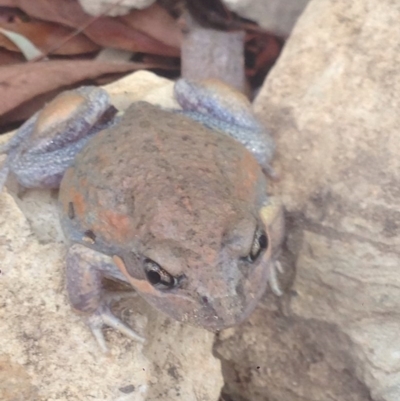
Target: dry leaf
(8,57)
(26,47)
(262,50)
(46,35)
(27,109)
(8,14)
(105,31)
(21,82)
(156,22)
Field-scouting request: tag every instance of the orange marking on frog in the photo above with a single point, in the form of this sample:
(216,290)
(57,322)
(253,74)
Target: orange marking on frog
(140,285)
(59,110)
(75,196)
(118,225)
(248,169)
(79,203)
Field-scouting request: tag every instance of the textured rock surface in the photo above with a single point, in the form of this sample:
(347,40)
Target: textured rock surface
(47,352)
(277,357)
(209,53)
(332,102)
(277,16)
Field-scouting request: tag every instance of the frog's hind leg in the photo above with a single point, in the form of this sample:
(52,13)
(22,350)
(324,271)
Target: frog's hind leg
(10,148)
(45,170)
(85,269)
(46,145)
(222,108)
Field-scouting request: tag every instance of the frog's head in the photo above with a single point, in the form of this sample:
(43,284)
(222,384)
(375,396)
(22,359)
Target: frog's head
(216,285)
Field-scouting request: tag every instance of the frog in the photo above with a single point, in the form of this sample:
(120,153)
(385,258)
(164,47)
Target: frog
(174,203)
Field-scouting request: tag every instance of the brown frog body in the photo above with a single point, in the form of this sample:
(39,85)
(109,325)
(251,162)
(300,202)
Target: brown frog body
(177,210)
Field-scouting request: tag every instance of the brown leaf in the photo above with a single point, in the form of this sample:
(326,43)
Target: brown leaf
(8,14)
(105,31)
(262,50)
(156,22)
(27,109)
(46,35)
(21,82)
(8,57)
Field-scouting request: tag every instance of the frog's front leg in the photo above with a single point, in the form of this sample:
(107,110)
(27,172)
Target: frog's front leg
(273,218)
(85,269)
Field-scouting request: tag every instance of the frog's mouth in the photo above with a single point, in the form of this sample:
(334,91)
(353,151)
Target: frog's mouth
(210,317)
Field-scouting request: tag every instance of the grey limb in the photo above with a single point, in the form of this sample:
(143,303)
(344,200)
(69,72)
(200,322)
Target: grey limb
(85,269)
(104,316)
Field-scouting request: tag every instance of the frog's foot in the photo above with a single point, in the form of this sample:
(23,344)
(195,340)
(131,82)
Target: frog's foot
(104,317)
(222,108)
(273,281)
(272,215)
(85,269)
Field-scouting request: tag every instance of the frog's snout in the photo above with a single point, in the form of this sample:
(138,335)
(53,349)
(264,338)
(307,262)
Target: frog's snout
(223,313)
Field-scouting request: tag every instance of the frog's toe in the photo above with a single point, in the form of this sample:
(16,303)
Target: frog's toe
(275,268)
(104,317)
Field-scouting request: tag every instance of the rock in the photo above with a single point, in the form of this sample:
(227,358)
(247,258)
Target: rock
(142,85)
(46,350)
(210,53)
(276,357)
(332,102)
(276,16)
(112,8)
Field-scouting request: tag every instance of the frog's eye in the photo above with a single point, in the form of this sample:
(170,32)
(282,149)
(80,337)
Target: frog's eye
(157,276)
(260,243)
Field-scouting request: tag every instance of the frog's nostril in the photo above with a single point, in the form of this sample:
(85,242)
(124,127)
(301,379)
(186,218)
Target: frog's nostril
(71,210)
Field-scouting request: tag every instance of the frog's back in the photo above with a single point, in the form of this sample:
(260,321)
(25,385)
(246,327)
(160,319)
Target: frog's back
(152,157)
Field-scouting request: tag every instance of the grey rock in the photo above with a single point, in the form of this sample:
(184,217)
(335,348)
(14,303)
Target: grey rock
(276,16)
(332,102)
